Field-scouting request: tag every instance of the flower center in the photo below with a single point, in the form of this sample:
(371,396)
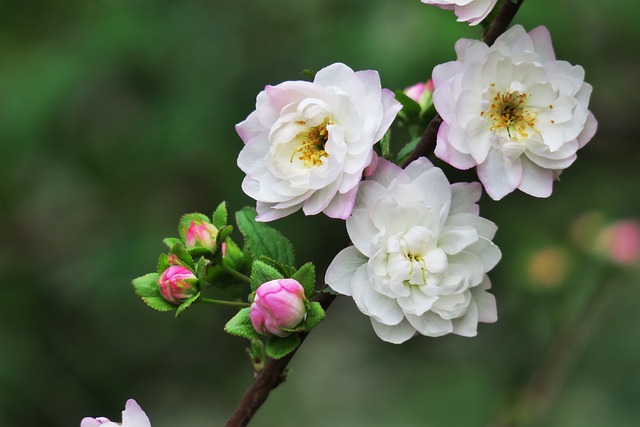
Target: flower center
(508,112)
(416,259)
(312,144)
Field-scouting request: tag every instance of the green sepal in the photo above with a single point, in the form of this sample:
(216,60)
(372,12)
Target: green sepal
(315,314)
(182,307)
(234,257)
(410,108)
(263,240)
(185,222)
(241,325)
(170,241)
(183,256)
(308,73)
(220,216)
(306,276)
(201,271)
(262,272)
(406,150)
(146,287)
(163,263)
(277,347)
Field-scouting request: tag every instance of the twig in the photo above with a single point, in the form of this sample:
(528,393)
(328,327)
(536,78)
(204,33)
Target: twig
(272,374)
(499,25)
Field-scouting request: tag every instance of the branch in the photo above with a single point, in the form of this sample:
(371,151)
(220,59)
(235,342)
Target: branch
(272,374)
(499,25)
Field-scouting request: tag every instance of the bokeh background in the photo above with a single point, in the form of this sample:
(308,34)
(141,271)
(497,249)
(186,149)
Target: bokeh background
(118,116)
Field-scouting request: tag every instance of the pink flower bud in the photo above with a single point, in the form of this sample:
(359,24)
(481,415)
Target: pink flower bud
(421,93)
(201,234)
(178,284)
(278,304)
(620,241)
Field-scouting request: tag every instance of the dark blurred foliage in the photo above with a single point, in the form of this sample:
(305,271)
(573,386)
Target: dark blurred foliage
(118,116)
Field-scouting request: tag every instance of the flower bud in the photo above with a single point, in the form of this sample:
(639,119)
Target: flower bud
(201,234)
(278,304)
(421,93)
(178,284)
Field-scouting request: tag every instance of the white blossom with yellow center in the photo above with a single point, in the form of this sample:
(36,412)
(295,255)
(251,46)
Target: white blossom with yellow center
(420,254)
(513,111)
(308,143)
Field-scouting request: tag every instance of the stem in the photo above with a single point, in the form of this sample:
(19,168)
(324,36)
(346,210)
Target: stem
(427,143)
(236,274)
(272,374)
(268,378)
(239,304)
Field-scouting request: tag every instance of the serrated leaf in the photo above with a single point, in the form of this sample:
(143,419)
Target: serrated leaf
(183,255)
(185,222)
(286,270)
(315,314)
(306,276)
(262,272)
(147,285)
(182,307)
(264,240)
(201,270)
(220,216)
(170,241)
(241,325)
(279,347)
(407,149)
(159,303)
(223,233)
(163,263)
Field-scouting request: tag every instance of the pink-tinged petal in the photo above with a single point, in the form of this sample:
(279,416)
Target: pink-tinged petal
(341,205)
(536,181)
(134,416)
(394,334)
(499,175)
(444,151)
(475,11)
(542,43)
(266,212)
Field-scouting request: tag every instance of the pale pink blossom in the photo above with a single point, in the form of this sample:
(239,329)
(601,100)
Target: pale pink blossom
(308,143)
(512,110)
(471,11)
(132,416)
(278,304)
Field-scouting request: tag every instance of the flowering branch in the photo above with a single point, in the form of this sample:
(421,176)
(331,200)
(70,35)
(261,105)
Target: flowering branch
(272,375)
(499,25)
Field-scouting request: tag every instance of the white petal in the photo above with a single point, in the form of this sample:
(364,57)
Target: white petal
(395,334)
(464,197)
(134,416)
(467,325)
(536,181)
(499,175)
(454,239)
(340,272)
(430,324)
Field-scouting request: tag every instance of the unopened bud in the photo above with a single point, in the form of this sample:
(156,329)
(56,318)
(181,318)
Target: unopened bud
(178,284)
(278,304)
(201,234)
(421,93)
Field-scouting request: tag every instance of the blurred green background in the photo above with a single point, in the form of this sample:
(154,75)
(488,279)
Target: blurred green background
(118,116)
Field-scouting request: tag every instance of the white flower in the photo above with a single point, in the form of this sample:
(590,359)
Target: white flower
(472,11)
(512,110)
(132,416)
(307,143)
(420,254)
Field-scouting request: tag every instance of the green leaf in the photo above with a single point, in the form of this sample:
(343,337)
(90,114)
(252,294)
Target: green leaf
(163,263)
(232,286)
(223,233)
(315,314)
(185,222)
(170,241)
(285,270)
(183,255)
(306,276)
(407,149)
(146,287)
(308,73)
(263,240)
(385,145)
(241,325)
(279,347)
(182,307)
(201,270)
(220,216)
(262,272)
